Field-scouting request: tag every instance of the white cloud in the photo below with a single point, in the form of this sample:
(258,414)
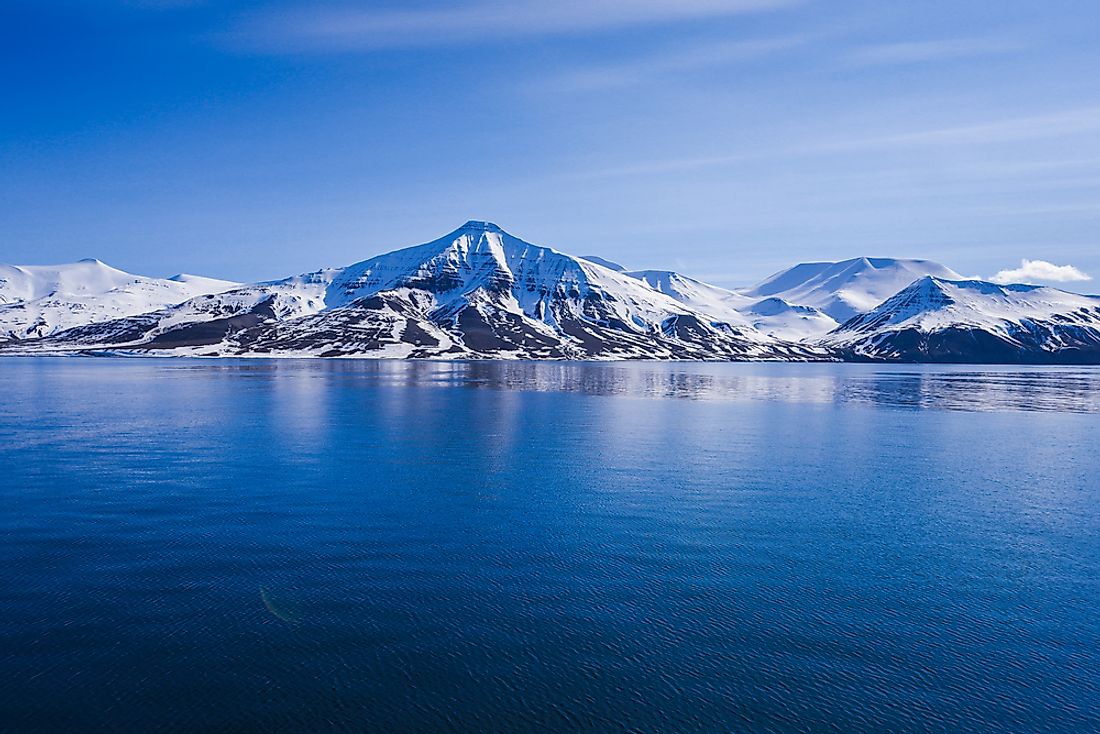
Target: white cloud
(344,28)
(1040,270)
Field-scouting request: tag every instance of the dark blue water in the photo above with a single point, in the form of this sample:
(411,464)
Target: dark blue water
(394,547)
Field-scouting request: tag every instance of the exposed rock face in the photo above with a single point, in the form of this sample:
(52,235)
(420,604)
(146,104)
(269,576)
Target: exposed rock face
(477,292)
(480,293)
(935,320)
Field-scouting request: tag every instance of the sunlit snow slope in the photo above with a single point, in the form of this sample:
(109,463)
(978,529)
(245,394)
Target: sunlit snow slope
(935,320)
(39,300)
(476,292)
(479,292)
(844,289)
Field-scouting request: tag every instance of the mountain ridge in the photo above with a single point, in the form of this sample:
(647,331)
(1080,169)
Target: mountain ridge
(476,292)
(39,300)
(848,287)
(937,320)
(479,292)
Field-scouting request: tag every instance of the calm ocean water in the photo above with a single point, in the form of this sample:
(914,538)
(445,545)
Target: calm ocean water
(425,547)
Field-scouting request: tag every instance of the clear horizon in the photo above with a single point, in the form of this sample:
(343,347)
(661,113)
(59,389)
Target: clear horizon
(724,140)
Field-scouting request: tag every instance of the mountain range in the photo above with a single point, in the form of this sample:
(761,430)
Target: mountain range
(480,292)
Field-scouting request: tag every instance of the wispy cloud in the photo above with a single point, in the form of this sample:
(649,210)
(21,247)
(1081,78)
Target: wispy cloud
(1054,125)
(344,28)
(916,52)
(1031,271)
(658,65)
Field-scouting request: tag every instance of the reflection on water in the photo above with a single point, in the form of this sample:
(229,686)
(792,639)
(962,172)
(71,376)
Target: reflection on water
(968,388)
(280,545)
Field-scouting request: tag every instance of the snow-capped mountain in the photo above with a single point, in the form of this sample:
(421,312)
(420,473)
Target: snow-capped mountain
(935,320)
(845,289)
(39,300)
(476,292)
(771,316)
(696,294)
(480,292)
(777,318)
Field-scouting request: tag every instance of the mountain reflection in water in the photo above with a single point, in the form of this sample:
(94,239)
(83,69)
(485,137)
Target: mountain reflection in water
(925,387)
(295,545)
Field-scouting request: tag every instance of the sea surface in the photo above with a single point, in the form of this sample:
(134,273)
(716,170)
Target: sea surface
(313,546)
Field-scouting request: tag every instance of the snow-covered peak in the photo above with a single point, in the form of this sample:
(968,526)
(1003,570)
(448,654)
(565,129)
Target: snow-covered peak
(773,317)
(776,306)
(476,291)
(481,292)
(780,319)
(936,320)
(847,288)
(36,300)
(694,293)
(477,225)
(472,256)
(27,282)
(932,303)
(476,264)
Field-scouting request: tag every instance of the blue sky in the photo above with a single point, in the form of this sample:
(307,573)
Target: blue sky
(726,139)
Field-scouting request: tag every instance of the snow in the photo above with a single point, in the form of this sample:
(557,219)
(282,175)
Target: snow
(480,292)
(777,318)
(932,304)
(845,289)
(481,255)
(772,317)
(526,297)
(1028,323)
(802,303)
(38,300)
(710,299)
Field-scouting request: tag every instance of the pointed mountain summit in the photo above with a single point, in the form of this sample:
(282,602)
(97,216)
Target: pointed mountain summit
(935,320)
(480,292)
(847,288)
(475,292)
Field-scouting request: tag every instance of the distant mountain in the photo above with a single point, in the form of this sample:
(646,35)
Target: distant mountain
(780,319)
(37,301)
(773,317)
(696,294)
(477,292)
(481,293)
(934,320)
(845,289)
(802,303)
(609,264)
